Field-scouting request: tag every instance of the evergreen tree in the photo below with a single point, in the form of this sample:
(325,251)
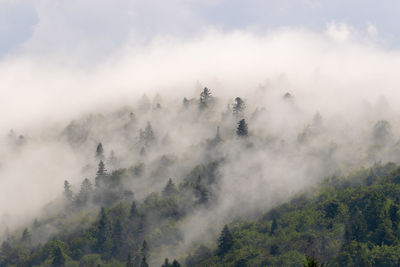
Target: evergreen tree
(175,263)
(144,262)
(104,235)
(225,242)
(274,226)
(166,263)
(145,250)
(112,160)
(85,192)
(133,211)
(242,130)
(205,97)
(68,195)
(170,189)
(117,237)
(129,262)
(59,258)
(238,107)
(312,262)
(101,174)
(26,236)
(147,137)
(100,152)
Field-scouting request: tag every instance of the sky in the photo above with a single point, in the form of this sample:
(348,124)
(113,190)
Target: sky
(62,55)
(92,29)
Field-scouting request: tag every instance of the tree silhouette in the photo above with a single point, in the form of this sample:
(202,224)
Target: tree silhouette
(242,130)
(225,242)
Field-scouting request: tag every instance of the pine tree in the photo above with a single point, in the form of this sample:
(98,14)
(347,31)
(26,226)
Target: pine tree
(59,258)
(242,130)
(99,151)
(225,242)
(68,195)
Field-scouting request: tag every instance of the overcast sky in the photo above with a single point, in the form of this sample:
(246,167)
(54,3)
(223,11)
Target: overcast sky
(91,29)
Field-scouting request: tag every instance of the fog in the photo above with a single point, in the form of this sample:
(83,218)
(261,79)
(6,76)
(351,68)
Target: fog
(342,85)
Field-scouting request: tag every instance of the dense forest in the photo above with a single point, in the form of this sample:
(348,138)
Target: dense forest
(209,182)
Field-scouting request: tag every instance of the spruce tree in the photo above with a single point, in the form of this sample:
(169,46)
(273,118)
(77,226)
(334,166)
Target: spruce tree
(129,261)
(59,258)
(101,174)
(145,250)
(100,151)
(117,237)
(175,263)
(166,263)
(225,242)
(133,211)
(104,235)
(85,192)
(170,189)
(204,98)
(144,262)
(68,195)
(274,226)
(26,236)
(242,130)
(238,107)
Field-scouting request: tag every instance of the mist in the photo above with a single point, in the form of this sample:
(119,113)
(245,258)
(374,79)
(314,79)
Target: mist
(341,113)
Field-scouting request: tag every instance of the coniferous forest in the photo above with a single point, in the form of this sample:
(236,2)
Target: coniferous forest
(211,181)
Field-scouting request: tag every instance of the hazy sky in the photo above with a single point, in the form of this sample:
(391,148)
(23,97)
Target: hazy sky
(91,29)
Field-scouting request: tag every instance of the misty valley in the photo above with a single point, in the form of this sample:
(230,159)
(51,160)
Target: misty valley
(261,179)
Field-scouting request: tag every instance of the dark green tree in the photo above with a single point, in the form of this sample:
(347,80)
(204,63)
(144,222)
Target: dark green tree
(225,242)
(312,262)
(129,261)
(274,226)
(175,263)
(242,129)
(104,235)
(145,250)
(144,262)
(117,237)
(133,210)
(59,258)
(26,236)
(166,263)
